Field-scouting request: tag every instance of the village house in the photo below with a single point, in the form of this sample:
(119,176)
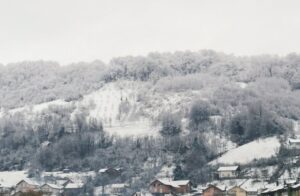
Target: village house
(294,143)
(236,191)
(27,185)
(51,189)
(72,189)
(228,172)
(112,172)
(213,190)
(161,187)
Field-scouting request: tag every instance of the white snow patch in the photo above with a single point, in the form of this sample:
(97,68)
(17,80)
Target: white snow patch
(242,84)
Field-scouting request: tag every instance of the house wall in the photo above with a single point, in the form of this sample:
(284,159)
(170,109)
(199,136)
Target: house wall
(237,191)
(227,174)
(212,191)
(184,189)
(157,187)
(46,189)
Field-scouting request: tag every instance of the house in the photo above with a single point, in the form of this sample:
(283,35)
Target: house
(294,143)
(160,186)
(51,189)
(27,185)
(73,189)
(228,172)
(112,172)
(213,190)
(237,191)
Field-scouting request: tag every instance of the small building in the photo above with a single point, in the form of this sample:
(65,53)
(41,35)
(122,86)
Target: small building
(112,172)
(294,143)
(237,191)
(111,189)
(213,190)
(170,186)
(73,189)
(27,185)
(51,189)
(228,172)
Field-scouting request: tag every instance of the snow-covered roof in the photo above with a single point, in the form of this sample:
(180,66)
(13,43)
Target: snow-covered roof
(296,186)
(118,185)
(228,168)
(29,181)
(295,141)
(273,189)
(103,170)
(292,181)
(222,187)
(55,186)
(252,185)
(175,183)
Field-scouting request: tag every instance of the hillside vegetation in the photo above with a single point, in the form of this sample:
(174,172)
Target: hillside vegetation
(198,105)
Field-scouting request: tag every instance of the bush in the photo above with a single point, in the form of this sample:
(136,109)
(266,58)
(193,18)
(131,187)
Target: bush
(171,124)
(200,112)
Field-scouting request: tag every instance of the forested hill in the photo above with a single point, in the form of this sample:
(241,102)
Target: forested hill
(188,108)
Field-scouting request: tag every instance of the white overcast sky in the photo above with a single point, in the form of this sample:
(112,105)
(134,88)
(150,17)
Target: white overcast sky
(84,30)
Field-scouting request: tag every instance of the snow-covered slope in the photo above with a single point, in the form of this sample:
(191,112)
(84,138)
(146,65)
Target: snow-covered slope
(11,178)
(115,105)
(261,148)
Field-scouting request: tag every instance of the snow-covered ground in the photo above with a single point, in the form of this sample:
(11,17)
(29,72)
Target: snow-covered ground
(261,148)
(11,178)
(242,84)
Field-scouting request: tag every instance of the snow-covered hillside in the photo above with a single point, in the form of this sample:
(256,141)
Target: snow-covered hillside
(261,148)
(115,105)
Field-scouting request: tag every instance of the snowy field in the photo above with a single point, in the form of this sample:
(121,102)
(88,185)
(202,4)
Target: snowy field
(262,148)
(11,178)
